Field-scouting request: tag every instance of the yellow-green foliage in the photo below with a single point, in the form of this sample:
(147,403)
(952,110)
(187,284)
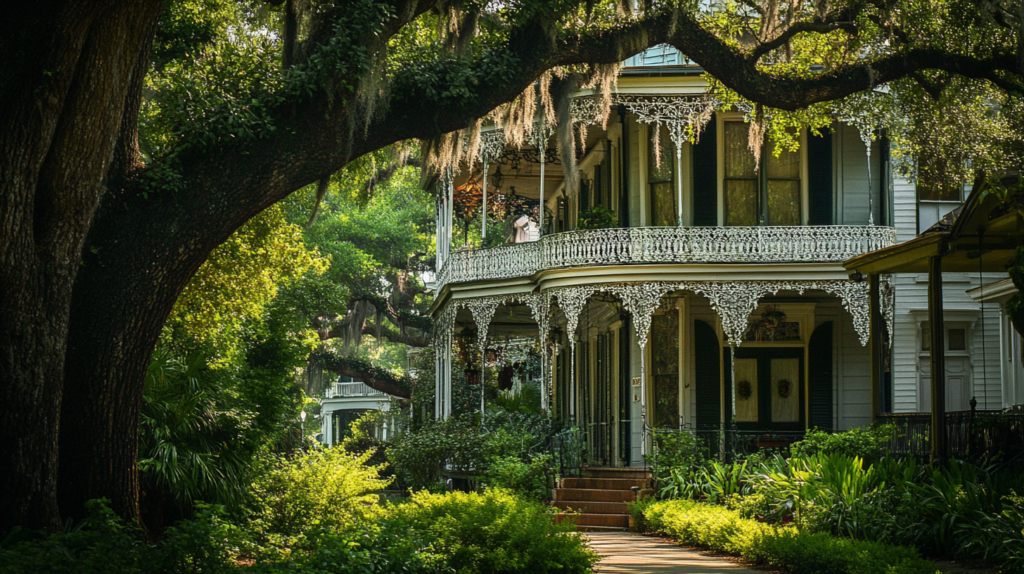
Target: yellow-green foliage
(326,488)
(239,279)
(800,551)
(495,532)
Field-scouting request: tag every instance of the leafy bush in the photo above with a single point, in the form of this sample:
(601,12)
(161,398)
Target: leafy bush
(865,444)
(493,533)
(675,451)
(530,479)
(800,551)
(327,488)
(419,456)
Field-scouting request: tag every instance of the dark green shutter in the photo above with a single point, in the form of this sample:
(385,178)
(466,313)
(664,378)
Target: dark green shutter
(819,178)
(820,371)
(708,370)
(705,177)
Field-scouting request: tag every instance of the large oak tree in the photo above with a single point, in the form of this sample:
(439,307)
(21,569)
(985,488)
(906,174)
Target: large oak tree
(96,245)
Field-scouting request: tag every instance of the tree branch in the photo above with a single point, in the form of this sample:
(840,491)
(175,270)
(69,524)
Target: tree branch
(801,28)
(374,377)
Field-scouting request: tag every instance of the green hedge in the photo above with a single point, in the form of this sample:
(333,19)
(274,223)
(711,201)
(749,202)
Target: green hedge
(800,551)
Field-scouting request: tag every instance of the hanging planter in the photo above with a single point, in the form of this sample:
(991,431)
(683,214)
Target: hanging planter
(744,390)
(784,388)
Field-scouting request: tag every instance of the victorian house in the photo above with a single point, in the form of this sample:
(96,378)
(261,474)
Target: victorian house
(691,285)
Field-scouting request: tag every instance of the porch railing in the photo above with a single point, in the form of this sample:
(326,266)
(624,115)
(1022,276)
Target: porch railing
(566,448)
(801,244)
(346,390)
(988,437)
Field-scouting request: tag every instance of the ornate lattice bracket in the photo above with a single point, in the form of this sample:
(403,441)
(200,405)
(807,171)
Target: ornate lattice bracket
(492,144)
(887,293)
(641,300)
(683,116)
(483,309)
(735,301)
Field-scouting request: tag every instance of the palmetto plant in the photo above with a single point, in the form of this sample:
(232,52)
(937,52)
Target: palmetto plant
(192,444)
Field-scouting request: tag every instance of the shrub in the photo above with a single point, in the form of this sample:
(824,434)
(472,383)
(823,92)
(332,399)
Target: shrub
(493,533)
(801,551)
(865,444)
(675,451)
(528,479)
(419,456)
(328,488)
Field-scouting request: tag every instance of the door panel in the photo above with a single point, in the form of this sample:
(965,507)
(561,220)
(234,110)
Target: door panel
(773,365)
(746,376)
(785,381)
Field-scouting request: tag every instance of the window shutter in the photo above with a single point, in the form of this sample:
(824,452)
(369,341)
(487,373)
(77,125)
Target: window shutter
(705,346)
(820,372)
(819,178)
(705,177)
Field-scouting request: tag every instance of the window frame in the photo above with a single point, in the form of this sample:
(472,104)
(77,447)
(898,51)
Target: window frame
(762,177)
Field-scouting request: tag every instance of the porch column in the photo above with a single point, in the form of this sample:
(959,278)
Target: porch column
(937,356)
(875,344)
(483,211)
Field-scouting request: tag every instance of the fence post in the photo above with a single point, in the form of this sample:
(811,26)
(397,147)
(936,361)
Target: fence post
(970,429)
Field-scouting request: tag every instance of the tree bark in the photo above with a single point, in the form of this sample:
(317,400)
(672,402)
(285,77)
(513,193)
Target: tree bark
(62,102)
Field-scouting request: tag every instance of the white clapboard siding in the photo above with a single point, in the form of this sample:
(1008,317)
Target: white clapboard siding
(850,174)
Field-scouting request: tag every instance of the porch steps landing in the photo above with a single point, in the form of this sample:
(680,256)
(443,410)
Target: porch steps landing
(600,496)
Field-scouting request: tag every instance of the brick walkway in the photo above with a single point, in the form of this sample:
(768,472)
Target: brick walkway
(625,552)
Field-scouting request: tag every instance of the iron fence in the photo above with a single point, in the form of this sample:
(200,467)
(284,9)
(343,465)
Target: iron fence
(990,438)
(728,445)
(567,448)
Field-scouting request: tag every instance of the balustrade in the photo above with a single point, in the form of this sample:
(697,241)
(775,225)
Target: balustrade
(804,244)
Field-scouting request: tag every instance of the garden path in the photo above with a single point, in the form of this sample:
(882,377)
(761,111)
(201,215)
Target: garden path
(626,552)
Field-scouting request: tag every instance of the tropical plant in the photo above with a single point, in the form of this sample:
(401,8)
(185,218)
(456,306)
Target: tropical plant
(194,439)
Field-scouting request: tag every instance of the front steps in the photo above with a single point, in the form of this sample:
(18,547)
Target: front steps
(600,497)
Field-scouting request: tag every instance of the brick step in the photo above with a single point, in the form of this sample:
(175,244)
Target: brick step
(583,520)
(603,483)
(598,472)
(590,507)
(595,495)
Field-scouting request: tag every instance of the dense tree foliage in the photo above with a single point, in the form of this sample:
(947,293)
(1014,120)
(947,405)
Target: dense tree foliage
(137,137)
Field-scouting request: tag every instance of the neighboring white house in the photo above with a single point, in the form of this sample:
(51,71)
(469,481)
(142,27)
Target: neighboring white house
(347,400)
(978,337)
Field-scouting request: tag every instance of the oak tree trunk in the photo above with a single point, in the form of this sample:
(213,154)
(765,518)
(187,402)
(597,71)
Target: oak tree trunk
(61,102)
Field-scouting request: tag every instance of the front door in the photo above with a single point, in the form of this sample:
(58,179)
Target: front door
(767,388)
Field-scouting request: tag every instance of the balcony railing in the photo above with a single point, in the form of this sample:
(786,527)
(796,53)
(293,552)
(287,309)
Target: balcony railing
(804,244)
(347,390)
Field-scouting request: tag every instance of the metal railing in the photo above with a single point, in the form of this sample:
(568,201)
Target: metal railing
(566,448)
(991,437)
(796,244)
(347,390)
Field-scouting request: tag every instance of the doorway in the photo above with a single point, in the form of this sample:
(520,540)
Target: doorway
(768,388)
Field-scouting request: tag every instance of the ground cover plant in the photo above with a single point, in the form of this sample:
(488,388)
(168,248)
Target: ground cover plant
(843,486)
(800,550)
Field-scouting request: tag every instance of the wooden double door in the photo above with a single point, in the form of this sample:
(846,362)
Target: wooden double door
(768,390)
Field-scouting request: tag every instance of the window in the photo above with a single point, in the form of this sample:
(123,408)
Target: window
(661,173)
(769,196)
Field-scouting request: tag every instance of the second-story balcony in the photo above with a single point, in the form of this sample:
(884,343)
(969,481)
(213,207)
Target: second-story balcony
(597,247)
(352,390)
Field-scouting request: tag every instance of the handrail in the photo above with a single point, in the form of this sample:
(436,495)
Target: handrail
(793,244)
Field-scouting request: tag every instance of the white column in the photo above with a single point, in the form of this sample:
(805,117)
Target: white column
(451,211)
(679,184)
(483,213)
(541,216)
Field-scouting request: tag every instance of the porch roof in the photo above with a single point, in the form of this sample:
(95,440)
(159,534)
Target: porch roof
(981,235)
